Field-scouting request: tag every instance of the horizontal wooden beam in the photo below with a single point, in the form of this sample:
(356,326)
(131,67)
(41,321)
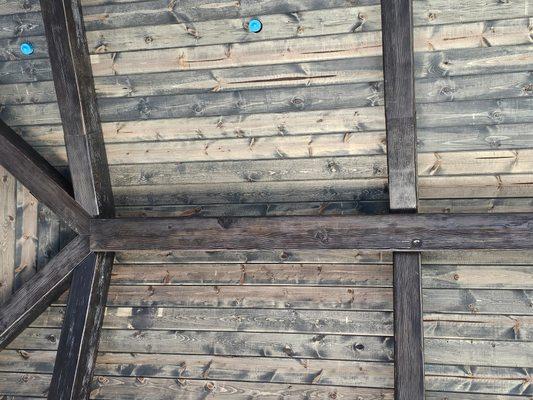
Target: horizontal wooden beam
(45,286)
(43,180)
(401,232)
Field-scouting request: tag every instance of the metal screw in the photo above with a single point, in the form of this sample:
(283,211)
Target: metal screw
(417,243)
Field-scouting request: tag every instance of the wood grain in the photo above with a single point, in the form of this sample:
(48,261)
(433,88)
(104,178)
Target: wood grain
(40,290)
(8,210)
(45,183)
(439,231)
(88,166)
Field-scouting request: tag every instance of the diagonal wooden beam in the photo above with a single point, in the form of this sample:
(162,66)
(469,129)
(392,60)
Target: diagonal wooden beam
(406,232)
(400,116)
(43,288)
(43,180)
(71,70)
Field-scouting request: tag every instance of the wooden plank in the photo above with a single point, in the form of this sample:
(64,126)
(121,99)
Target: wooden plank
(27,240)
(159,388)
(379,275)
(296,345)
(447,301)
(38,292)
(346,20)
(275,345)
(172,109)
(260,320)
(84,141)
(8,210)
(436,325)
(45,183)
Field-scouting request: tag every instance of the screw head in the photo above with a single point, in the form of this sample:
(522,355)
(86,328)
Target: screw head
(26,48)
(416,243)
(255,25)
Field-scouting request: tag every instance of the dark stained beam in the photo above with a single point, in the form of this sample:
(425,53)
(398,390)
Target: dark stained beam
(400,116)
(408,327)
(44,287)
(406,232)
(43,180)
(73,80)
(398,70)
(78,343)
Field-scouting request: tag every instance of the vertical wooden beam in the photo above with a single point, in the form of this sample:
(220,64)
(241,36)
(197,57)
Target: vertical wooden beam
(398,69)
(408,329)
(73,80)
(400,115)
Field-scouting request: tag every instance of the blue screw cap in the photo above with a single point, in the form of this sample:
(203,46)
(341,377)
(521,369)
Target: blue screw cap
(26,48)
(255,26)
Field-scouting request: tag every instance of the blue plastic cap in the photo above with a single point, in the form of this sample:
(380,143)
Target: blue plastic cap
(255,26)
(26,48)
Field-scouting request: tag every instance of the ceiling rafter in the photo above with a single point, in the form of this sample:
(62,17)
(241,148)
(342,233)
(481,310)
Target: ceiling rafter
(76,97)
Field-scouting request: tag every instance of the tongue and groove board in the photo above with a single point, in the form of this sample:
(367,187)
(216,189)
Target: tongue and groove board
(201,118)
(188,324)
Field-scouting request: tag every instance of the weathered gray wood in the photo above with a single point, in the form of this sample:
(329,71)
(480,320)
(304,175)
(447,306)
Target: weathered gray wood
(408,327)
(46,184)
(259,320)
(478,277)
(159,388)
(354,256)
(38,292)
(77,105)
(8,195)
(274,256)
(298,346)
(347,20)
(452,301)
(400,118)
(273,209)
(48,236)
(436,325)
(92,187)
(26,233)
(401,232)
(398,69)
(379,275)
(80,336)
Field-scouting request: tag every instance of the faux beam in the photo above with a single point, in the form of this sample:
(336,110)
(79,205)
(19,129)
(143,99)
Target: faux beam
(44,287)
(43,180)
(73,80)
(404,232)
(400,117)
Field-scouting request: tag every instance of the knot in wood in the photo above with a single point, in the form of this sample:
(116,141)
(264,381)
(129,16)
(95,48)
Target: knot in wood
(198,108)
(225,222)
(322,236)
(298,103)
